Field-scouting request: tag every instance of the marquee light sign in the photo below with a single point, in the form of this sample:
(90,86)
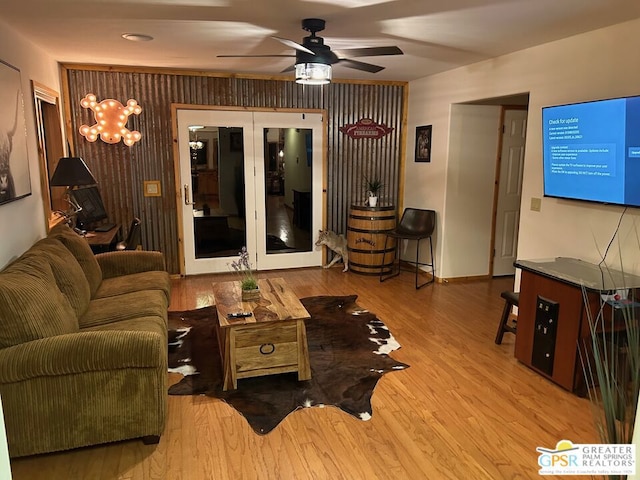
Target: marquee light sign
(111,117)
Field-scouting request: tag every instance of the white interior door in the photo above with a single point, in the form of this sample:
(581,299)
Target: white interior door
(509,192)
(239,174)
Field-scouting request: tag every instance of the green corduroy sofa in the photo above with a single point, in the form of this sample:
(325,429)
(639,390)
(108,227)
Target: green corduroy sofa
(83,345)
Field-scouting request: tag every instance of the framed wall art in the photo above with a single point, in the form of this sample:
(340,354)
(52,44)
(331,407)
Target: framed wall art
(15,182)
(423,143)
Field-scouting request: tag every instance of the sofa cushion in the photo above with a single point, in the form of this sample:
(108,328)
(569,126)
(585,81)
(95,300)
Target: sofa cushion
(155,280)
(31,304)
(69,276)
(80,249)
(127,306)
(149,323)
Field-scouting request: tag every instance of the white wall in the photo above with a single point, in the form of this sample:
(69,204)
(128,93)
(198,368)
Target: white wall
(594,65)
(473,150)
(230,165)
(25,217)
(297,172)
(5,467)
(22,221)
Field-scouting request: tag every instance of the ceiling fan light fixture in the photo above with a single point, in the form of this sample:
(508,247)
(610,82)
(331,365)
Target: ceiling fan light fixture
(313,73)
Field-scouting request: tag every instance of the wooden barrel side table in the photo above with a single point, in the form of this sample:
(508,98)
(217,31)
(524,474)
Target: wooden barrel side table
(367,229)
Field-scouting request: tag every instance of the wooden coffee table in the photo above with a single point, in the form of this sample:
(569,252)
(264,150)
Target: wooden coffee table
(272,340)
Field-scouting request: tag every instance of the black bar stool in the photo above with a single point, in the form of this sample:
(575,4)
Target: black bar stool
(415,224)
(511,300)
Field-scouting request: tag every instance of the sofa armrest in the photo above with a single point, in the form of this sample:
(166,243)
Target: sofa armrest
(115,264)
(82,352)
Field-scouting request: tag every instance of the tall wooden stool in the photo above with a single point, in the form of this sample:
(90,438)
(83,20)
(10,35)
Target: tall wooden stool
(511,300)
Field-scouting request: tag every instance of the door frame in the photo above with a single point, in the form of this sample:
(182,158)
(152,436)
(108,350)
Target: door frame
(50,147)
(176,162)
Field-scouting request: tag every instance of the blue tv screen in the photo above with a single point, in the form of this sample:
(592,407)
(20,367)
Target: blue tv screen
(591,151)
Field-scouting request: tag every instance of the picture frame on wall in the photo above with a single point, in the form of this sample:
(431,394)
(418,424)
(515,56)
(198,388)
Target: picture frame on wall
(15,181)
(423,143)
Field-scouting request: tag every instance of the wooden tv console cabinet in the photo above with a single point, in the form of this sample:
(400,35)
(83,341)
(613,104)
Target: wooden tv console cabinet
(553,316)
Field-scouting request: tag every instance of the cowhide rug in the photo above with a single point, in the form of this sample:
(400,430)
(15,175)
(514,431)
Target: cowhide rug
(348,353)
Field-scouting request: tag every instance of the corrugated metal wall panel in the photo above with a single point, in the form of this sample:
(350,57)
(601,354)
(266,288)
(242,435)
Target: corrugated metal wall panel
(122,170)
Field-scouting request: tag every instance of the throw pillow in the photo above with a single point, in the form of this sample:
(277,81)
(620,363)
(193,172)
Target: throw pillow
(80,249)
(31,304)
(69,276)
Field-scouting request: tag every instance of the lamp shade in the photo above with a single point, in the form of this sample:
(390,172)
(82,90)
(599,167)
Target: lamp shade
(70,172)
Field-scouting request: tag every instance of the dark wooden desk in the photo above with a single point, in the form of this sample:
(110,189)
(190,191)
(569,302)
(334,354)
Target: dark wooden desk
(556,298)
(103,241)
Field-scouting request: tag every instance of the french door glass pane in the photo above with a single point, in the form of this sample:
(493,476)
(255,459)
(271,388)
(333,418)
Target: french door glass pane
(217,179)
(288,180)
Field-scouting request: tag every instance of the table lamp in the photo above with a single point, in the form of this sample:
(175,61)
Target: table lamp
(71,172)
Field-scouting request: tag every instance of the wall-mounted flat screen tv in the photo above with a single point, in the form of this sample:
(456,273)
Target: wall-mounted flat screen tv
(591,151)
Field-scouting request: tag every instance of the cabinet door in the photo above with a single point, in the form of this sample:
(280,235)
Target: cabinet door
(566,363)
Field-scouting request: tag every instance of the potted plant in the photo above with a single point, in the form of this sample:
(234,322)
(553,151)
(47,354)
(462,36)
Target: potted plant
(611,366)
(248,283)
(373,187)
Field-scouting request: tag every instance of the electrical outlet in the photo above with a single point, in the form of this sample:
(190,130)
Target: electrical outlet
(536,203)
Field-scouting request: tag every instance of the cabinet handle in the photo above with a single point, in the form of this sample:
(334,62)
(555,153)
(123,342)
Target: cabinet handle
(267,348)
(187,197)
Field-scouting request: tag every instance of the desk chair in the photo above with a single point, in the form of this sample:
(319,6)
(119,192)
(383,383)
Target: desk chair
(415,224)
(133,237)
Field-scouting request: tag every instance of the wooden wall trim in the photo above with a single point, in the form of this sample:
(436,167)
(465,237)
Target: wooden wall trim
(234,108)
(50,137)
(208,73)
(66,108)
(403,151)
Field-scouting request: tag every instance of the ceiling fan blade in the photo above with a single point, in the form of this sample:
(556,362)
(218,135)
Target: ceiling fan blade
(290,68)
(254,56)
(366,67)
(292,44)
(369,52)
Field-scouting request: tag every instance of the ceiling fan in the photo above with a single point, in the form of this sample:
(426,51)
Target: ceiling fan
(314,58)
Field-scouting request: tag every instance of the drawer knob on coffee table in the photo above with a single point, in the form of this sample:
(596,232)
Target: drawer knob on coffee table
(267,348)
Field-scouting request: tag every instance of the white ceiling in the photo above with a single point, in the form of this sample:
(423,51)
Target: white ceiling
(435,35)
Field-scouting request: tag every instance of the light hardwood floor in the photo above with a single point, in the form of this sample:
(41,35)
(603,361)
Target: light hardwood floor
(465,409)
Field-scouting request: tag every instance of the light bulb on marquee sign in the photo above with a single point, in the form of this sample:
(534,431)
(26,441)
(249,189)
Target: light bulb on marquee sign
(111,117)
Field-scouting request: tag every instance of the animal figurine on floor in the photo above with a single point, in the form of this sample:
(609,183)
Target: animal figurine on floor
(7,186)
(336,243)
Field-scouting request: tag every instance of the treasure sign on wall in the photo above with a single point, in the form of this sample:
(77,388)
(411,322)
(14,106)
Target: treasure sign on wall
(111,119)
(366,128)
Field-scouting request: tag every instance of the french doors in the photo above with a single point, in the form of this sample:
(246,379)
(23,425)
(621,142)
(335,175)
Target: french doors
(250,179)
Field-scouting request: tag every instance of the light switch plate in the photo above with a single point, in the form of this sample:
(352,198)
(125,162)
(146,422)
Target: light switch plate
(152,188)
(536,203)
